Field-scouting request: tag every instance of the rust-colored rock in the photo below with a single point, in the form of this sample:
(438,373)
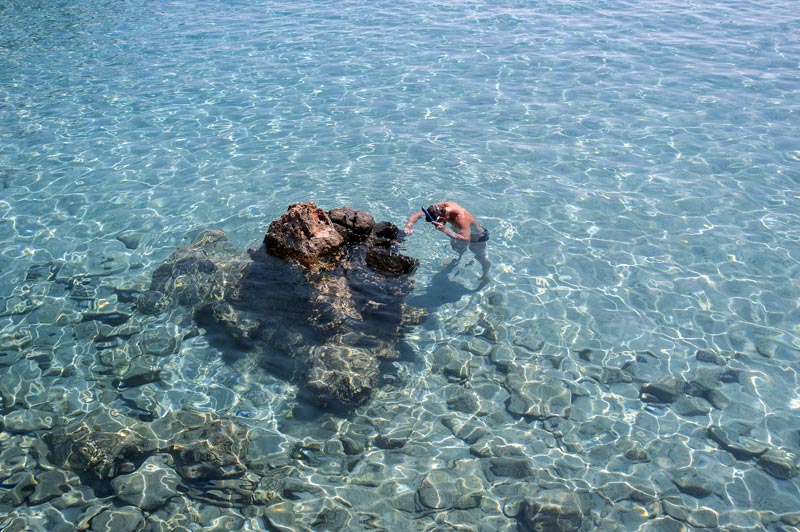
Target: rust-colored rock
(306,235)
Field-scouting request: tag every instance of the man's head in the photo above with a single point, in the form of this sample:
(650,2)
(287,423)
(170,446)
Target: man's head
(435,211)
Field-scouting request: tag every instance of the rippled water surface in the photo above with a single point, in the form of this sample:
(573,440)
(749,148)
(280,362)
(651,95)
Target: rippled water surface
(633,364)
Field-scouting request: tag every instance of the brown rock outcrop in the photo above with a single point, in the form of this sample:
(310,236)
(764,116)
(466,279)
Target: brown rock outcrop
(306,235)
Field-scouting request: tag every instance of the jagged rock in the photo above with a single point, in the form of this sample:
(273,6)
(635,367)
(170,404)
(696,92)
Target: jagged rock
(354,226)
(316,305)
(152,302)
(306,235)
(388,261)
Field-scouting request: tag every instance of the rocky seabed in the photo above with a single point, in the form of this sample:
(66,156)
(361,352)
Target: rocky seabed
(487,428)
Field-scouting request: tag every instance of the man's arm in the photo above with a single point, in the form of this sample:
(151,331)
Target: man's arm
(461,234)
(412,220)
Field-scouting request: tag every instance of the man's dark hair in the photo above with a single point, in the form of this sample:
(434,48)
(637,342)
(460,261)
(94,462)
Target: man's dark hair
(436,211)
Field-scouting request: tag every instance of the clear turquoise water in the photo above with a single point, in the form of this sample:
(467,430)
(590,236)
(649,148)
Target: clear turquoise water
(637,164)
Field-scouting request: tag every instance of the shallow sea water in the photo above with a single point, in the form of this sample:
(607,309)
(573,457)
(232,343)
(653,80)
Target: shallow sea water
(637,165)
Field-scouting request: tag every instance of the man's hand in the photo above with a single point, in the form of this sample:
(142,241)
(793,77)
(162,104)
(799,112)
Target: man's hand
(409,230)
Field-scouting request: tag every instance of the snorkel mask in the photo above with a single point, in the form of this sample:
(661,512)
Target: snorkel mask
(433,213)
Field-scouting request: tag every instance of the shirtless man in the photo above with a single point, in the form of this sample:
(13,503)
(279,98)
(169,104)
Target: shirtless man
(465,232)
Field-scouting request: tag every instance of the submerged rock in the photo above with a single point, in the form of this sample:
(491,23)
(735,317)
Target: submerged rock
(104,443)
(737,445)
(554,511)
(124,519)
(184,452)
(150,486)
(321,301)
(779,463)
(213,451)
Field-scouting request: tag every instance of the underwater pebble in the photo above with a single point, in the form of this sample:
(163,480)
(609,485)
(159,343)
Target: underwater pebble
(20,486)
(9,357)
(113,319)
(152,302)
(703,518)
(495,446)
(479,346)
(537,398)
(779,463)
(77,497)
(15,459)
(711,357)
(675,509)
(160,341)
(281,517)
(552,510)
(792,518)
(690,482)
(125,519)
(21,305)
(28,420)
(351,446)
(462,400)
(455,487)
(150,486)
(690,407)
(21,384)
(636,453)
(470,430)
(131,239)
(527,339)
(502,356)
(452,362)
(766,347)
(736,444)
(82,288)
(666,391)
(393,439)
(508,467)
(15,340)
(618,490)
(50,485)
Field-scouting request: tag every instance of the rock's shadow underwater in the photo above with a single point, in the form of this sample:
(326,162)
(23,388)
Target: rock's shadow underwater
(321,302)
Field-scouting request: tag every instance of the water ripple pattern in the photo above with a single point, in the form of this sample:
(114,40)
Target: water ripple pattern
(632,365)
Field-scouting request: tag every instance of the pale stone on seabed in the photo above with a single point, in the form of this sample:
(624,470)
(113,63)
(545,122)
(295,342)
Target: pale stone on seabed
(150,486)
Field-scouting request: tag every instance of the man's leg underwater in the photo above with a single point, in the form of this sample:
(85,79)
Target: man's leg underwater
(479,250)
